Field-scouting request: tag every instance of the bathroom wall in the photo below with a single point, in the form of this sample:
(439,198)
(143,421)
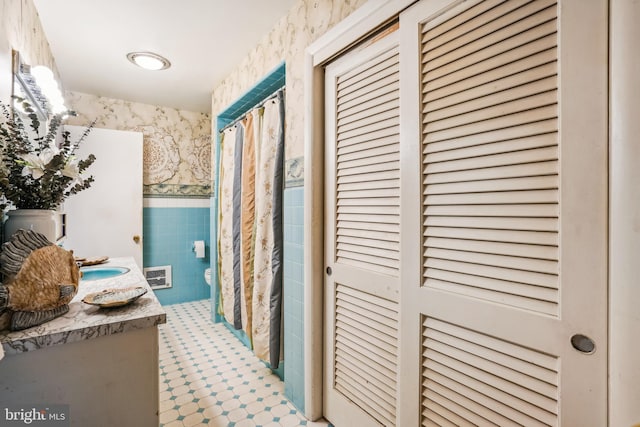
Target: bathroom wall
(294,294)
(169,228)
(306,21)
(177,156)
(176,175)
(177,143)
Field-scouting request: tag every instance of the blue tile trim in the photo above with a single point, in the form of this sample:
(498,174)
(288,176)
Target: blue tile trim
(273,81)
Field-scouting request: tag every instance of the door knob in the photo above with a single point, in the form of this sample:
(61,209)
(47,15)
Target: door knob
(583,343)
(136,238)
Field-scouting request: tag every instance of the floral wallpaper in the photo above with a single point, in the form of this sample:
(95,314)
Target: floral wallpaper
(306,21)
(177,147)
(177,143)
(20,29)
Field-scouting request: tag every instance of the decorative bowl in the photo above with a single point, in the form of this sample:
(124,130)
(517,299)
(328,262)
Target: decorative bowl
(114,297)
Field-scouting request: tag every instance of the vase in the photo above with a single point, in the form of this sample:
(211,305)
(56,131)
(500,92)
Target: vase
(50,223)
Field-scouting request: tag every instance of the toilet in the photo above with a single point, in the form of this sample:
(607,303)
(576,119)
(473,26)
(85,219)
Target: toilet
(207,276)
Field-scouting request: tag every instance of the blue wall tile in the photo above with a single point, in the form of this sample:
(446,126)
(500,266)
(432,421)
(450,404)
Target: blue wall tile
(213,233)
(294,295)
(169,234)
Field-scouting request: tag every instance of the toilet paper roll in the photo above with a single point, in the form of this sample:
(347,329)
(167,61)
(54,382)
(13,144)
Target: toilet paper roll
(198,248)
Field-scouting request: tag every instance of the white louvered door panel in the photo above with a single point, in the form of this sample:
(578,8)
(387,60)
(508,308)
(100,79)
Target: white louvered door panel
(505,137)
(362,232)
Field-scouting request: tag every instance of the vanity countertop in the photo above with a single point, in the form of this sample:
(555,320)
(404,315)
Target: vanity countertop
(84,321)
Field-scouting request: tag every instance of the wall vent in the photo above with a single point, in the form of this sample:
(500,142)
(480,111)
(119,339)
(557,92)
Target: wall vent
(158,277)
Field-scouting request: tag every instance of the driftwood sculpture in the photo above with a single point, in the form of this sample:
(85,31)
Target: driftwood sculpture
(40,279)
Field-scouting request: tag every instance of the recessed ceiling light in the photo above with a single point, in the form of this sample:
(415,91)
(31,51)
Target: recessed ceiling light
(149,60)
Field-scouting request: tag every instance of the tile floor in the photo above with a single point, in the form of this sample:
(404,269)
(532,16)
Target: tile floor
(207,377)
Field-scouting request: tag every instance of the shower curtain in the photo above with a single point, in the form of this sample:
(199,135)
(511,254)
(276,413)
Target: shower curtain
(250,227)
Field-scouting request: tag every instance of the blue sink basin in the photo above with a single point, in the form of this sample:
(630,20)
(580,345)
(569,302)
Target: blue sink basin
(96,273)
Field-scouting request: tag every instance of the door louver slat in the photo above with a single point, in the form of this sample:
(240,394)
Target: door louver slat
(375,218)
(545,47)
(508,86)
(369,201)
(445,24)
(482,186)
(504,236)
(522,157)
(518,276)
(456,116)
(385,183)
(499,223)
(491,124)
(372,251)
(364,258)
(497,381)
(367,166)
(345,226)
(480,140)
(490,207)
(389,86)
(510,193)
(541,167)
(493,43)
(365,351)
(361,109)
(478,27)
(536,211)
(368,68)
(370,113)
(468,85)
(495,197)
(365,209)
(368,160)
(364,234)
(364,241)
(369,234)
(372,116)
(369,92)
(486,292)
(380,383)
(500,147)
(516,263)
(367,145)
(490,155)
(371,169)
(500,248)
(489,284)
(354,143)
(507,99)
(448,418)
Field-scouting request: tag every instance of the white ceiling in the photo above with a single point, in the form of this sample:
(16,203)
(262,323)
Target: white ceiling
(203,39)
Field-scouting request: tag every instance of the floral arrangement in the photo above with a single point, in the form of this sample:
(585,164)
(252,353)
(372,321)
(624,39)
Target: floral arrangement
(37,172)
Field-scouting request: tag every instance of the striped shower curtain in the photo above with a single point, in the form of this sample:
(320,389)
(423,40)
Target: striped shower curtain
(250,227)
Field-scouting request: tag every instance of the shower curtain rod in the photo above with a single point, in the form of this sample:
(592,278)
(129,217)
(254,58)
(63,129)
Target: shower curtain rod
(258,105)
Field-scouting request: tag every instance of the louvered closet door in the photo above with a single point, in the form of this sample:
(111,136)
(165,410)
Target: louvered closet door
(362,235)
(504,139)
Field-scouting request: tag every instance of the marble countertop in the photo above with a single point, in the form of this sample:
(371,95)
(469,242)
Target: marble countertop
(84,321)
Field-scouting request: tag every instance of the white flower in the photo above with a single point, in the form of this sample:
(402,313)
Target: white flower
(36,164)
(72,170)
